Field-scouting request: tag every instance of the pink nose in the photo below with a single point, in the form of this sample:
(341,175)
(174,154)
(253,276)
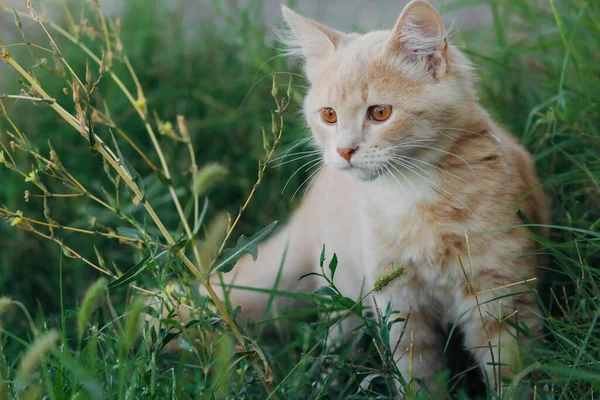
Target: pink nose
(346,153)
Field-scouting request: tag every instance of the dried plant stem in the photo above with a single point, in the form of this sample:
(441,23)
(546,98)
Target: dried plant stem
(194,166)
(36,18)
(111,124)
(86,261)
(68,249)
(258,181)
(73,229)
(138,105)
(110,157)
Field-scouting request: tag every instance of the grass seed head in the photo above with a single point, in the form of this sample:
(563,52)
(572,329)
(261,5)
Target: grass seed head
(208,176)
(90,304)
(391,273)
(5,302)
(31,360)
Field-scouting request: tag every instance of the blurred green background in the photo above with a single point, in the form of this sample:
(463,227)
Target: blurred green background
(539,67)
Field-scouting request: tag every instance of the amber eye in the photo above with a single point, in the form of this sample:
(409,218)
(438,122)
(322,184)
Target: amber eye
(379,112)
(329,115)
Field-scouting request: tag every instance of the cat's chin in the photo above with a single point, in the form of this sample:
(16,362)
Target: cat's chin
(362,174)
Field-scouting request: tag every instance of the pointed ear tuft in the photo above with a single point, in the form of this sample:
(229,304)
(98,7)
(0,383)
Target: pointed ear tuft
(420,36)
(307,37)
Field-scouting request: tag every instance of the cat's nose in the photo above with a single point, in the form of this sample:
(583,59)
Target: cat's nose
(347,153)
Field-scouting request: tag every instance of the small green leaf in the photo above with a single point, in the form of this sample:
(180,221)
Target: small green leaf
(326,291)
(66,251)
(17,20)
(131,273)
(179,245)
(333,265)
(349,304)
(244,245)
(99,257)
(322,259)
(266,144)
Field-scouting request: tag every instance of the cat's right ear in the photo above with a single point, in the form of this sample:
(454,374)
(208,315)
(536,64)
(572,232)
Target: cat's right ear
(309,39)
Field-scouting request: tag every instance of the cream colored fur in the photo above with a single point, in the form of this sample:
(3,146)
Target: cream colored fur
(454,194)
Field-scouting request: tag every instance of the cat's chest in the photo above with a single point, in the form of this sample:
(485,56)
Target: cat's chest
(399,233)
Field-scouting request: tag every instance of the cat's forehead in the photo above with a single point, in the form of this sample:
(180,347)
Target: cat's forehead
(358,67)
(357,55)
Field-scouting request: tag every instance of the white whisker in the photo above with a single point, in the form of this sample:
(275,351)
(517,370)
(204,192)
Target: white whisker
(438,168)
(405,178)
(407,163)
(318,154)
(445,152)
(393,176)
(313,162)
(294,154)
(314,174)
(445,192)
(327,191)
(412,141)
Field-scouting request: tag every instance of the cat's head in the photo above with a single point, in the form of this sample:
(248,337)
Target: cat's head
(377,97)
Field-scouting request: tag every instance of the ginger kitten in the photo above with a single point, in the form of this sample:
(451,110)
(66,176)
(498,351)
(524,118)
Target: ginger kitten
(417,175)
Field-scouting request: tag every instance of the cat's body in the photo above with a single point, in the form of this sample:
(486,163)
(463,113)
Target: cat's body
(433,183)
(371,225)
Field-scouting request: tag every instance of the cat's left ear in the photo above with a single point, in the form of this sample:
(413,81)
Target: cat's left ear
(314,41)
(419,36)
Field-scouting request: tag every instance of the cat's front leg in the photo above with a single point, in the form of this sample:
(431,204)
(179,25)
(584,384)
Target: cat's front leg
(488,320)
(416,342)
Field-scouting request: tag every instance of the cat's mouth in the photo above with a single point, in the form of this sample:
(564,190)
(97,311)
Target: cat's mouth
(357,168)
(362,173)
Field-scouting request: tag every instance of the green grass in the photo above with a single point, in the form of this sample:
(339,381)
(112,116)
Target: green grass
(539,69)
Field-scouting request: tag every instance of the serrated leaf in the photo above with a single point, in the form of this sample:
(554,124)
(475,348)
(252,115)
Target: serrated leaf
(244,245)
(333,265)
